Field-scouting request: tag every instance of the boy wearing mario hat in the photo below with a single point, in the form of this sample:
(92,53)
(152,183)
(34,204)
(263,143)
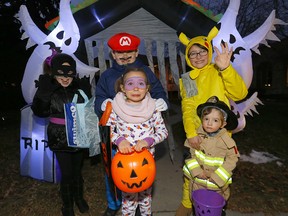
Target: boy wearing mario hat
(124,48)
(124,51)
(124,42)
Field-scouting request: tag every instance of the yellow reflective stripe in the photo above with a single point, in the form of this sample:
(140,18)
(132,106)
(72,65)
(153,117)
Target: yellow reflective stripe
(186,170)
(210,161)
(200,155)
(213,161)
(223,174)
(192,164)
(207,183)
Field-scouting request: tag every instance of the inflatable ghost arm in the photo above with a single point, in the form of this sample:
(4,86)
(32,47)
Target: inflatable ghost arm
(245,108)
(84,70)
(31,30)
(264,33)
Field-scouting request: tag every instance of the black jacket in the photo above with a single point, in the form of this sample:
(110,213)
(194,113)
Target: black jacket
(49,102)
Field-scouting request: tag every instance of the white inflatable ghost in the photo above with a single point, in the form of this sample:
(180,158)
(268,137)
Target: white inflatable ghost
(242,55)
(64,38)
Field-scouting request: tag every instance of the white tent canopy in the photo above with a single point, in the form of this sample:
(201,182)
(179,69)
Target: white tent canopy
(157,39)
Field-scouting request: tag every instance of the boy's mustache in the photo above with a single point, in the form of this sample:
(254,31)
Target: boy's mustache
(125,58)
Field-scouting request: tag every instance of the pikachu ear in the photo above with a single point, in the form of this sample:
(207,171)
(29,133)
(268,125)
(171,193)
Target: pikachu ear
(183,38)
(213,32)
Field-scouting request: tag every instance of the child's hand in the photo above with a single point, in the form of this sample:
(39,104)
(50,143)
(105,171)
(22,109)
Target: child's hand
(140,145)
(222,60)
(104,104)
(194,142)
(46,83)
(161,104)
(124,147)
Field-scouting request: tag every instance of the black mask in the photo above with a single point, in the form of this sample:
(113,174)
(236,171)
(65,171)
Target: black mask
(63,65)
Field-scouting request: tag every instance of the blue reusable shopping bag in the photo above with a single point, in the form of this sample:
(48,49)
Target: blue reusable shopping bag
(82,124)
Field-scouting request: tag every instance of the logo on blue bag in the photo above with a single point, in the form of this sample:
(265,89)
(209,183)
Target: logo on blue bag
(71,124)
(74,127)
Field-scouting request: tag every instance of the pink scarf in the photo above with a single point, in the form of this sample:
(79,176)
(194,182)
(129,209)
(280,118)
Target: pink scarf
(133,113)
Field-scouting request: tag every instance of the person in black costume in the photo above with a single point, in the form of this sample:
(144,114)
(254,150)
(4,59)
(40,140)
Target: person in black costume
(54,89)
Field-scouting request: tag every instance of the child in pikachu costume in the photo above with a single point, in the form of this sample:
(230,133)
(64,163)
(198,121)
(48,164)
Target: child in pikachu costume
(196,86)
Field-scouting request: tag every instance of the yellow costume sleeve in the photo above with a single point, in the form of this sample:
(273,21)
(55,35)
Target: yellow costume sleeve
(234,84)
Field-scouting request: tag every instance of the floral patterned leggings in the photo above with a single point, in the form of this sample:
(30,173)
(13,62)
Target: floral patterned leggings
(130,201)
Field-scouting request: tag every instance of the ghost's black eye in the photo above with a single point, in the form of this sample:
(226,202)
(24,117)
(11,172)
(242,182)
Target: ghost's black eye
(68,42)
(60,35)
(232,39)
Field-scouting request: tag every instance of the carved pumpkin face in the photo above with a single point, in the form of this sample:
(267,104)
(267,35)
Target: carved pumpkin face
(133,172)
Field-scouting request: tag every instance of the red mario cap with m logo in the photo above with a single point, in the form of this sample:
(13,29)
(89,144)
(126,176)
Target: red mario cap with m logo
(124,42)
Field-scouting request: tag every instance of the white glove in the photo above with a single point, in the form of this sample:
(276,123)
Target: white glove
(104,104)
(161,105)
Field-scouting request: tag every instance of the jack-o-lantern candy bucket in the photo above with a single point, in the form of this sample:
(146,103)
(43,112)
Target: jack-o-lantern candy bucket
(133,172)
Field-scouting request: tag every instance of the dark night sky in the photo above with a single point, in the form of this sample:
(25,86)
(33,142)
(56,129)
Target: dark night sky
(13,57)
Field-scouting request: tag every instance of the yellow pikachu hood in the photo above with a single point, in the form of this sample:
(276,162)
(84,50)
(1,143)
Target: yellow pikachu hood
(202,40)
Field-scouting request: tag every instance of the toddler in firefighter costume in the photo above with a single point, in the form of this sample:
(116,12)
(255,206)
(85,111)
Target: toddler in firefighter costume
(198,85)
(211,167)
